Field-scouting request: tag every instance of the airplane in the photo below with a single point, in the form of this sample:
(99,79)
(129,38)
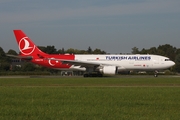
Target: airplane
(93,65)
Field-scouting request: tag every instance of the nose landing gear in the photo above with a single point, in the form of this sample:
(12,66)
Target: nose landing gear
(155,73)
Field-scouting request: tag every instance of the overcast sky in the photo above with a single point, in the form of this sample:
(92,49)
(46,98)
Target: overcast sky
(115,26)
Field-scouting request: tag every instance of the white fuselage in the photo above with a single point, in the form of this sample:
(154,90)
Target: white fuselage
(128,62)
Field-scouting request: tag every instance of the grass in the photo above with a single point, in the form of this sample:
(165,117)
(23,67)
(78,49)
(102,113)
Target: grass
(90,98)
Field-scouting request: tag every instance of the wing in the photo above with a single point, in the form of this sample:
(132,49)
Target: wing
(87,64)
(80,63)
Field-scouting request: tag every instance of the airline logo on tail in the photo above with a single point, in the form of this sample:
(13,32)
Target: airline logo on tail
(25,46)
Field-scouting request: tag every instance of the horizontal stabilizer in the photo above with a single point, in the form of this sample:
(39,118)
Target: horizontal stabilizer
(20,57)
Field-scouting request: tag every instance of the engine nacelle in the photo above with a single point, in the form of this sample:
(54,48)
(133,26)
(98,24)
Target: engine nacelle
(109,70)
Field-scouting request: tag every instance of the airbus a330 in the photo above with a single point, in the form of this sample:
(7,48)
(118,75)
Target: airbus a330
(94,65)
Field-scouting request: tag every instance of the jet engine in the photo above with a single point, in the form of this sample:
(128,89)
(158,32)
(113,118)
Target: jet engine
(108,70)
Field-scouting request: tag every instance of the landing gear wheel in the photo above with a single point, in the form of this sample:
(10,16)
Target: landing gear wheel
(156,75)
(92,75)
(99,75)
(86,75)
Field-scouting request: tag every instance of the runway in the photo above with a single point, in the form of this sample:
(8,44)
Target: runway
(117,76)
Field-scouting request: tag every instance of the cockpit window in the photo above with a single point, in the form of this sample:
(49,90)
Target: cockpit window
(167,60)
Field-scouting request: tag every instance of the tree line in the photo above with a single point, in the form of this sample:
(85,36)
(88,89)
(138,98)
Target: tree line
(165,50)
(53,50)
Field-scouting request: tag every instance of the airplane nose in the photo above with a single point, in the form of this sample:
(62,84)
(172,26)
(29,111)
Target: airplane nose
(172,63)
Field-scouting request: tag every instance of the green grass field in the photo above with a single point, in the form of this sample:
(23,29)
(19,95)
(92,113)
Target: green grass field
(123,98)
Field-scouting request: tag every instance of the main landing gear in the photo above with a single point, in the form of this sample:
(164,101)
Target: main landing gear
(92,75)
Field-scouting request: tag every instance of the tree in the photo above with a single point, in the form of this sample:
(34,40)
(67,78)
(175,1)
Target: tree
(2,54)
(12,52)
(167,50)
(51,50)
(143,51)
(152,50)
(70,51)
(28,67)
(4,66)
(98,51)
(42,48)
(177,61)
(4,61)
(83,52)
(89,51)
(178,51)
(61,51)
(135,50)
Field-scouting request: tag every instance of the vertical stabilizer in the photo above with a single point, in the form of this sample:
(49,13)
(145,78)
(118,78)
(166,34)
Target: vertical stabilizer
(26,45)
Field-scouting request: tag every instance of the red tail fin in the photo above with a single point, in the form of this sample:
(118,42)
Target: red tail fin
(26,45)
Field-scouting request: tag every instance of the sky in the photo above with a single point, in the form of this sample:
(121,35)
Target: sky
(115,26)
